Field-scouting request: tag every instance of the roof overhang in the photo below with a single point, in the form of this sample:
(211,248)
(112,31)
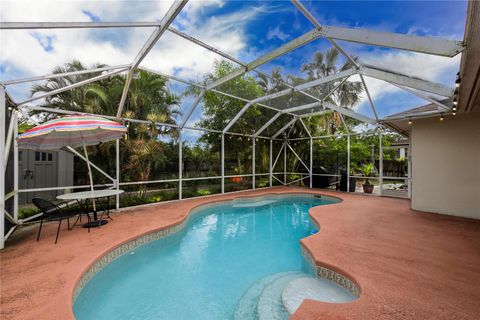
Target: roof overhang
(469,92)
(400,121)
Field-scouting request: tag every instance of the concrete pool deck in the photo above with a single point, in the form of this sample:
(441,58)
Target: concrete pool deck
(408,264)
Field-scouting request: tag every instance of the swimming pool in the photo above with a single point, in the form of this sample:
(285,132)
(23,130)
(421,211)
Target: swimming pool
(230,261)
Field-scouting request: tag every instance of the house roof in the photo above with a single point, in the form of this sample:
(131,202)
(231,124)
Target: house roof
(399,122)
(419,111)
(469,92)
(400,143)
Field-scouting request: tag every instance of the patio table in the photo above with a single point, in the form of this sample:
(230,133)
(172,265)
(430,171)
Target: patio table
(87,195)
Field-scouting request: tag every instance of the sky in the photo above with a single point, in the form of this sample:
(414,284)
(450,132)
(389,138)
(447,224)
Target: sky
(244,29)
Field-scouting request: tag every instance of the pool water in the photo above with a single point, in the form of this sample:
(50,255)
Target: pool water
(203,271)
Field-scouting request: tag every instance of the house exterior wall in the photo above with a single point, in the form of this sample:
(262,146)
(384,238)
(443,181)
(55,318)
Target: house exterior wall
(446,165)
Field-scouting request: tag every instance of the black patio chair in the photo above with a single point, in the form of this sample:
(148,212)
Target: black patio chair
(52,212)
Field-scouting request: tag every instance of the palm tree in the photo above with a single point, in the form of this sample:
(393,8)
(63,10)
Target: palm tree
(103,97)
(141,159)
(148,98)
(273,82)
(74,99)
(346,95)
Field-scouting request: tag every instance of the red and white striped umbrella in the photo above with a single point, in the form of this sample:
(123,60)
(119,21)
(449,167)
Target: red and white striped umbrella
(73,131)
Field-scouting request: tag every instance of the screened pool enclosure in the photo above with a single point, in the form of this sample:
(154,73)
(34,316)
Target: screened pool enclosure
(279,149)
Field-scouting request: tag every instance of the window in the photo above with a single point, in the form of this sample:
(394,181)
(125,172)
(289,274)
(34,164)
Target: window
(43,156)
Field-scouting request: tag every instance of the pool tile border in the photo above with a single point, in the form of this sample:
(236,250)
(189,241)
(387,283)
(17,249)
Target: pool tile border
(122,250)
(329,274)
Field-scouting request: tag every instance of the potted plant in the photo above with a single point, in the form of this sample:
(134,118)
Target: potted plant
(367,170)
(236,179)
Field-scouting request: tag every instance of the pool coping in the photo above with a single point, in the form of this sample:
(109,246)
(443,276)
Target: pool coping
(111,254)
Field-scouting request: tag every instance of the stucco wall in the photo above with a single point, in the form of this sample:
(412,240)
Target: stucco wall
(446,165)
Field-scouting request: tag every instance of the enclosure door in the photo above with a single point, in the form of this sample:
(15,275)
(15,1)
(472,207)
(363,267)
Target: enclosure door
(37,169)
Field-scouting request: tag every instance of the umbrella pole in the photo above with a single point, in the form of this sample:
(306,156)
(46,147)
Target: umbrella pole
(91,180)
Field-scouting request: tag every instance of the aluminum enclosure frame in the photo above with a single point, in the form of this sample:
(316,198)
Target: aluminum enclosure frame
(419,87)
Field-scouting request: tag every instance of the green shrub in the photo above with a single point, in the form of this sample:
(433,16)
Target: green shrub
(203,192)
(26,212)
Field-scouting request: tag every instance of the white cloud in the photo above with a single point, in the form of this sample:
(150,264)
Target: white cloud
(20,49)
(225,32)
(197,9)
(277,33)
(22,54)
(429,67)
(433,68)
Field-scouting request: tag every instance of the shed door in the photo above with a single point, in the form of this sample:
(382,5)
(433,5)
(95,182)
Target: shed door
(37,169)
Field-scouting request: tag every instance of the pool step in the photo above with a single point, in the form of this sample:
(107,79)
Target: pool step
(270,306)
(247,305)
(254,303)
(318,289)
(253,204)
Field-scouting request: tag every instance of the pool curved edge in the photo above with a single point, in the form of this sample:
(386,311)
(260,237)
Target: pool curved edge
(332,273)
(323,270)
(327,270)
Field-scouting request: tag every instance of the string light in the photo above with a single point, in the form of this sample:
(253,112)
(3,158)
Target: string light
(458,80)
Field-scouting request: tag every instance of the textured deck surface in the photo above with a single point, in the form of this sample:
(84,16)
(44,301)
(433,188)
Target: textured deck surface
(409,265)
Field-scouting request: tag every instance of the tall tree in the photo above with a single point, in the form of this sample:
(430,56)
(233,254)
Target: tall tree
(148,98)
(75,99)
(219,110)
(346,95)
(273,82)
